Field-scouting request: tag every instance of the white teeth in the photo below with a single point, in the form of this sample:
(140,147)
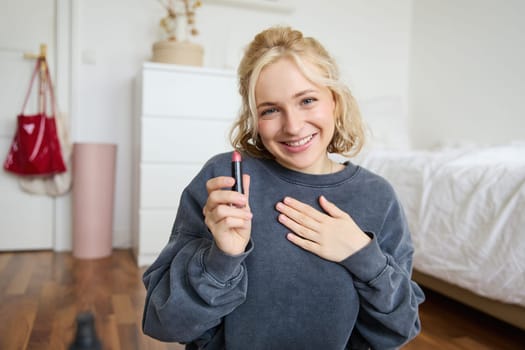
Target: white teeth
(300,142)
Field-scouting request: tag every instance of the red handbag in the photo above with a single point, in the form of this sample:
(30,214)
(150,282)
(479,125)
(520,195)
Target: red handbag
(35,149)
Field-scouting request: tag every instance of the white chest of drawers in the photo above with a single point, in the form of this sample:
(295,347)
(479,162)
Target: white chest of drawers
(183,115)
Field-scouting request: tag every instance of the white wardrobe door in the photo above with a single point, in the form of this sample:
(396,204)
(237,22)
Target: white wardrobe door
(182,140)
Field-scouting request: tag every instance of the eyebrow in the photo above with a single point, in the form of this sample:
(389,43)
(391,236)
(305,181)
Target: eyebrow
(298,94)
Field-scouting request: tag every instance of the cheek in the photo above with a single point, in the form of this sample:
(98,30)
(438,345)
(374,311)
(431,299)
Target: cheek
(260,128)
(266,129)
(326,117)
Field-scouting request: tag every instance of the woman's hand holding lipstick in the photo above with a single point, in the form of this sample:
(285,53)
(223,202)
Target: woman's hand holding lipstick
(228,215)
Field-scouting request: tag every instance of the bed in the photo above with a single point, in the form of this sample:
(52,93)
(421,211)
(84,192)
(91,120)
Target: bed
(466,211)
(465,206)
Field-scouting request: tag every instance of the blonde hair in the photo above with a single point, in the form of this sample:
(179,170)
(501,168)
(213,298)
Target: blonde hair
(266,48)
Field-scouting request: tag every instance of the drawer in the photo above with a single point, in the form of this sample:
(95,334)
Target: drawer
(189,94)
(162,184)
(180,140)
(155,229)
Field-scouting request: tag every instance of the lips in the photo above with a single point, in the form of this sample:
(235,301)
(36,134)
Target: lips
(300,142)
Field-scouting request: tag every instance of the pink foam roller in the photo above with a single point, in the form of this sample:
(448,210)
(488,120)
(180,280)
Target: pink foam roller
(93,198)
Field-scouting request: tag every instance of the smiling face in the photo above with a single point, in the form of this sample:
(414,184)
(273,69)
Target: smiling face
(295,117)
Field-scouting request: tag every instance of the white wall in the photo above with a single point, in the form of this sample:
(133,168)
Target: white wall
(467,72)
(370,39)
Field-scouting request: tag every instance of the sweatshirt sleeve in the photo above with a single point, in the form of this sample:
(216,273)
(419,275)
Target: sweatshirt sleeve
(192,284)
(389,299)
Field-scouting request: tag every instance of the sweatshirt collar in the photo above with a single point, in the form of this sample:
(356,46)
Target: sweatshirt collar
(311,180)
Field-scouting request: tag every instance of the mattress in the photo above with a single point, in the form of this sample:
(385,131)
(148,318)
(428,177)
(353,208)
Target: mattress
(466,213)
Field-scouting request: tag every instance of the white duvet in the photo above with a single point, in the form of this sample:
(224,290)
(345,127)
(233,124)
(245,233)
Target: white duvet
(466,212)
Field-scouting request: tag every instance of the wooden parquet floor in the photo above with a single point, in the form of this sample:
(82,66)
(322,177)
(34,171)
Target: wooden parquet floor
(41,294)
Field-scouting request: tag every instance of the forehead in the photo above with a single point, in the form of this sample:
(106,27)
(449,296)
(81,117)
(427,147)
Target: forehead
(283,78)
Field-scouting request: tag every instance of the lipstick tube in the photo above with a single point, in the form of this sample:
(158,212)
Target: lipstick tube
(237,172)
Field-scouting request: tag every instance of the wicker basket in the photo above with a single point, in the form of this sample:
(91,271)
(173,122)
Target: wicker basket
(176,52)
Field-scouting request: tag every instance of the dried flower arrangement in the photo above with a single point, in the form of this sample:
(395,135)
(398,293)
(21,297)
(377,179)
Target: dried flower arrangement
(177,13)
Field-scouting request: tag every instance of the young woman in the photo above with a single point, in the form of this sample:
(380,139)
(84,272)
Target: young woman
(315,254)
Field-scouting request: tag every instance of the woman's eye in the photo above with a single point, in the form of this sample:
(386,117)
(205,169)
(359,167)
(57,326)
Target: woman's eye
(268,111)
(308,101)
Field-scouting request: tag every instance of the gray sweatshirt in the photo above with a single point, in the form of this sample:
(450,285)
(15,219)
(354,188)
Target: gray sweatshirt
(276,295)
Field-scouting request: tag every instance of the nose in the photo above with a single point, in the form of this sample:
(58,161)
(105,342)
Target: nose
(292,122)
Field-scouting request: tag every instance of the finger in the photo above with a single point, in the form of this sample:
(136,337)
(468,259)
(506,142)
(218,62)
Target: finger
(226,224)
(306,244)
(331,209)
(229,223)
(219,183)
(298,216)
(246,180)
(304,208)
(220,197)
(246,184)
(223,212)
(297,228)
